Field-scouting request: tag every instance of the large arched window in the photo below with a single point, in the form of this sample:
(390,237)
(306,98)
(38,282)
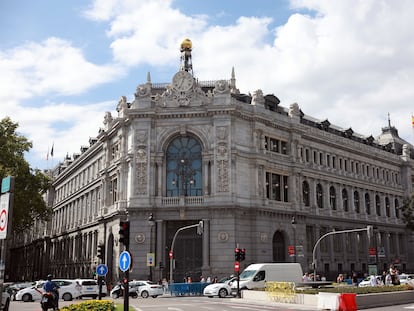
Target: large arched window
(345,200)
(332,197)
(319,195)
(367,204)
(305,193)
(184,175)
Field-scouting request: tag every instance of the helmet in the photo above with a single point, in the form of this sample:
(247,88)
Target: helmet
(49,277)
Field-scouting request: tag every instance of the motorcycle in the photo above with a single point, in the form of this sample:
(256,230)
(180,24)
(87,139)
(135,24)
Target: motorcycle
(118,291)
(48,301)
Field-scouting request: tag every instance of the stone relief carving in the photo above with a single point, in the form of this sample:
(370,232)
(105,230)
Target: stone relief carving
(141,137)
(222,132)
(141,162)
(222,159)
(223,236)
(143,90)
(221,86)
(222,168)
(107,119)
(294,110)
(258,98)
(174,98)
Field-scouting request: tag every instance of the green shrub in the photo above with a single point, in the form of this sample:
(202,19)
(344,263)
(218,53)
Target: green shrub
(91,305)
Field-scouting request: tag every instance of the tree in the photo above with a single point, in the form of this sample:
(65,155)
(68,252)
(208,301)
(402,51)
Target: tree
(30,184)
(407,211)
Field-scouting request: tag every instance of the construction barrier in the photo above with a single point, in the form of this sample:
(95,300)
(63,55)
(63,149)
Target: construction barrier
(347,302)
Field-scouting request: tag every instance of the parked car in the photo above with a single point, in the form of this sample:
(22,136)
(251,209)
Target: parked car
(222,288)
(13,288)
(67,291)
(5,301)
(147,288)
(117,291)
(367,281)
(405,278)
(90,288)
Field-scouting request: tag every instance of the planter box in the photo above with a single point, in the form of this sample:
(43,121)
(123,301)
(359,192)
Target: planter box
(384,299)
(365,301)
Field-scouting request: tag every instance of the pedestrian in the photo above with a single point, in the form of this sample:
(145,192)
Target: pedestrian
(354,279)
(306,277)
(340,278)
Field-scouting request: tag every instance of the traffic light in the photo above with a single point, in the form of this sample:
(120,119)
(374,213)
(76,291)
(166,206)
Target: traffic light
(200,227)
(171,255)
(237,254)
(242,254)
(124,233)
(101,251)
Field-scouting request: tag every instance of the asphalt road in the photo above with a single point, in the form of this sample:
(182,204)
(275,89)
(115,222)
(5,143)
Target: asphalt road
(198,303)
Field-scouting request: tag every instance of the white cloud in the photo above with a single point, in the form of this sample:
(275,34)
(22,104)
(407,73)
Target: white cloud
(52,66)
(349,61)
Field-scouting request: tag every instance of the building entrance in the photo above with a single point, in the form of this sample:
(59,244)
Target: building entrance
(188,258)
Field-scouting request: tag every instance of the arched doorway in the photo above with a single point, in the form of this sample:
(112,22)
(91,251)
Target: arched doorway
(279,247)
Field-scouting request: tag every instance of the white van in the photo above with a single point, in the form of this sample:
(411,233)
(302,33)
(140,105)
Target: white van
(256,275)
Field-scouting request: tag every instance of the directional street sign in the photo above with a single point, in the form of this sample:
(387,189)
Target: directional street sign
(101,270)
(124,261)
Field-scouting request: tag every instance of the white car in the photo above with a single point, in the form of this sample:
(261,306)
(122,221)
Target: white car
(367,281)
(90,288)
(67,291)
(5,301)
(221,289)
(405,278)
(147,288)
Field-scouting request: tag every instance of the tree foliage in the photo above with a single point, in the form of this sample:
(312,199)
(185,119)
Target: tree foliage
(30,184)
(407,210)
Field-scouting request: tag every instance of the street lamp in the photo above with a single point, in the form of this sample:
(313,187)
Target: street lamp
(185,176)
(151,223)
(293,221)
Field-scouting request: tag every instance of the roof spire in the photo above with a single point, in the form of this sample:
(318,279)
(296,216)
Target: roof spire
(186,63)
(389,120)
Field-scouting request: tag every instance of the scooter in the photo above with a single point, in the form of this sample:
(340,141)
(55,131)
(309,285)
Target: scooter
(48,301)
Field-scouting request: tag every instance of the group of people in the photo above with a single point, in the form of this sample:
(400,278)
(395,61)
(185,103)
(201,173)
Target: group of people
(388,277)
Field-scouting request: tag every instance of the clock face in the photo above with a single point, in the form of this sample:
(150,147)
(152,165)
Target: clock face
(182,81)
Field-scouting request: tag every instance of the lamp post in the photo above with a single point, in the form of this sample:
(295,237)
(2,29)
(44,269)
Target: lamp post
(185,176)
(151,223)
(293,221)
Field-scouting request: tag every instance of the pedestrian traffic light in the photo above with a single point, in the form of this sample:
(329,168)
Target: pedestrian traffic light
(101,251)
(124,233)
(242,254)
(237,254)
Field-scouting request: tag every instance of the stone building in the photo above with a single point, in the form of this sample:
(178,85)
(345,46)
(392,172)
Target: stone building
(259,176)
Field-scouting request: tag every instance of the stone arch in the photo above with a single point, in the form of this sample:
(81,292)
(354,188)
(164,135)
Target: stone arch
(279,246)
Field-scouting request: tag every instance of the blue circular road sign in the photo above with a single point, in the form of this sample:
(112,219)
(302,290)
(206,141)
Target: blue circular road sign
(124,261)
(101,270)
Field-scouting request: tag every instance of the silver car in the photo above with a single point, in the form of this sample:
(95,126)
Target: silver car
(147,288)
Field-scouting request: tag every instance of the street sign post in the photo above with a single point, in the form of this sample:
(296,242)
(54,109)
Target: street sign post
(124,261)
(101,270)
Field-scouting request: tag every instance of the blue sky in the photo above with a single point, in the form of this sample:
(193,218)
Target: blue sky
(63,64)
